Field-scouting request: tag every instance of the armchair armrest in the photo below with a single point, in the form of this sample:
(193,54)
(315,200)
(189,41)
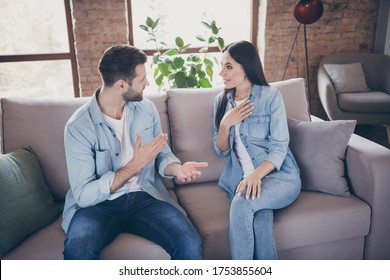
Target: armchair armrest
(368,171)
(327,93)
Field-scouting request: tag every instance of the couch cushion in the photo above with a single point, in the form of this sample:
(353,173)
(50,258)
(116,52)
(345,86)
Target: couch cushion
(365,102)
(40,123)
(191,117)
(26,204)
(347,77)
(319,149)
(294,96)
(207,206)
(314,218)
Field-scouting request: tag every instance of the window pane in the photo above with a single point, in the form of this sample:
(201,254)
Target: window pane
(183,18)
(30,27)
(49,79)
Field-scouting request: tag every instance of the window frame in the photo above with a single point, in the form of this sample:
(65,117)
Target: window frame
(71,55)
(253,32)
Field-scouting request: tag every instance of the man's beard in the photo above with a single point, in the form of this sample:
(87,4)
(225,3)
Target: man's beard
(132,96)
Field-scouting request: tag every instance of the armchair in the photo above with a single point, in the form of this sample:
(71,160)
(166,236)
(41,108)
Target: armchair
(370,105)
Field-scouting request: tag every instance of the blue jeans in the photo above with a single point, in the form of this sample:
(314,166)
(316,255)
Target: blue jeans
(251,221)
(92,228)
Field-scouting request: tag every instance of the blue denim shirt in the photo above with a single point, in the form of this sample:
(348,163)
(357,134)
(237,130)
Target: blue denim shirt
(265,136)
(93,155)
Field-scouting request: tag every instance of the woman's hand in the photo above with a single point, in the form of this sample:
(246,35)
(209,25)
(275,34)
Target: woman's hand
(252,184)
(237,114)
(253,181)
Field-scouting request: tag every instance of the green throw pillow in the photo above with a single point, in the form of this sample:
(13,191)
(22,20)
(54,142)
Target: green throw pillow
(26,204)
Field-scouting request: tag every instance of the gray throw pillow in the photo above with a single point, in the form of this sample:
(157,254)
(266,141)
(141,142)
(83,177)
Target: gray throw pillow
(26,204)
(347,77)
(319,149)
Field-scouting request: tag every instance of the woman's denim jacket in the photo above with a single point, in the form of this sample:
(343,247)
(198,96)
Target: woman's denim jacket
(264,134)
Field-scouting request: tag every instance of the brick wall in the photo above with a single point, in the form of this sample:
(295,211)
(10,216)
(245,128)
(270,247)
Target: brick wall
(97,25)
(346,26)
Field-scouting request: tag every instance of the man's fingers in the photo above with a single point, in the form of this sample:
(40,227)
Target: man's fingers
(200,164)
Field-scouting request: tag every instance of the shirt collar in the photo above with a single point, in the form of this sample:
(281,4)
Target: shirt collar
(254,94)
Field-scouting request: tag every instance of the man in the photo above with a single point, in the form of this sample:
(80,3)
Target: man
(114,149)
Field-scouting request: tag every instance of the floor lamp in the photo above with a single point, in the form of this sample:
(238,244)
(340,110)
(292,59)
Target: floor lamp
(305,12)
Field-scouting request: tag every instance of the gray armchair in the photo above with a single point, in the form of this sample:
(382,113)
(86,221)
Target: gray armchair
(367,107)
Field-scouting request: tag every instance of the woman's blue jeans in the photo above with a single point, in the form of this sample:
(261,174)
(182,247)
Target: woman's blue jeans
(251,221)
(92,228)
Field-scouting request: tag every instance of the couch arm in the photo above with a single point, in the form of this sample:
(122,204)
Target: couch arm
(327,94)
(368,171)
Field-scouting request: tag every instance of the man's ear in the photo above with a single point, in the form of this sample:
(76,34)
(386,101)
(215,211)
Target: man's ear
(121,84)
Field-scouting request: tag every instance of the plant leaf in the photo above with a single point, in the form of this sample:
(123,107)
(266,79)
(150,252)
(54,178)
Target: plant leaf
(159,80)
(205,83)
(193,70)
(201,74)
(164,68)
(208,62)
(206,24)
(209,71)
(154,25)
(180,79)
(214,28)
(221,43)
(149,22)
(200,38)
(171,52)
(178,62)
(191,82)
(179,42)
(144,27)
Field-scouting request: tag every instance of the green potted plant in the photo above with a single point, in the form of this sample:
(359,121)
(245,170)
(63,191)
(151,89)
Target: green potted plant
(173,68)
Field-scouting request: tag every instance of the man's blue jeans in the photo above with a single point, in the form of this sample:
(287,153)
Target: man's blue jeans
(92,228)
(251,221)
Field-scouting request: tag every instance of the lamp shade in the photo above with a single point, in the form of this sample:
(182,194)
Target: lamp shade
(308,11)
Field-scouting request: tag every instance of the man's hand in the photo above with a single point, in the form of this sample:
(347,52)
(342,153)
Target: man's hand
(187,172)
(143,155)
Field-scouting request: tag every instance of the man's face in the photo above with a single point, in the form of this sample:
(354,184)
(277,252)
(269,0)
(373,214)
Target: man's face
(135,90)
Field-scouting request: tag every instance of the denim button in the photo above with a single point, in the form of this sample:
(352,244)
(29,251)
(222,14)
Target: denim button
(117,154)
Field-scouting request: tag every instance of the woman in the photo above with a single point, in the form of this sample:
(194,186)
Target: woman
(261,173)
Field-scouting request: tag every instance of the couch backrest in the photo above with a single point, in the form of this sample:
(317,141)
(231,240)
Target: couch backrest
(40,123)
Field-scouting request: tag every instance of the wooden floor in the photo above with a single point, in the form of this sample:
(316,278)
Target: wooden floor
(377,134)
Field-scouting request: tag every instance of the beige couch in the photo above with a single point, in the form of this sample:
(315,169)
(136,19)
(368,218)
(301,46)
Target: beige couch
(316,226)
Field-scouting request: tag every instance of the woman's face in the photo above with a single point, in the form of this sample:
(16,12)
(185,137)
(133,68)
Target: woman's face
(232,72)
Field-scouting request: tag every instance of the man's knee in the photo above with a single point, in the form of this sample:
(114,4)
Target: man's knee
(189,245)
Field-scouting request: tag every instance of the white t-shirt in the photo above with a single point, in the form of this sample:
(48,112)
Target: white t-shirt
(240,150)
(123,135)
